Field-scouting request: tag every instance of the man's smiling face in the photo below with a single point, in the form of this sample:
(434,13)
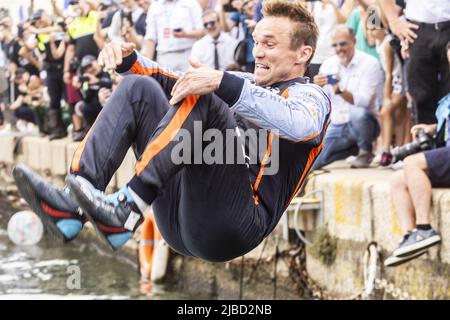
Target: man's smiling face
(275,59)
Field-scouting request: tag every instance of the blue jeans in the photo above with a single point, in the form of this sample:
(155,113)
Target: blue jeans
(344,140)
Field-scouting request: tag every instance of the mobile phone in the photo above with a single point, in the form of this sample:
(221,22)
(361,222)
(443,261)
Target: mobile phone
(177,30)
(332,79)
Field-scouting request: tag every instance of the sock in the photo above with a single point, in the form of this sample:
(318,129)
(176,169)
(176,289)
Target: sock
(423,226)
(140,203)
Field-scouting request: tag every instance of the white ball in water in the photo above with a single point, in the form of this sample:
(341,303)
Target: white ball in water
(25,228)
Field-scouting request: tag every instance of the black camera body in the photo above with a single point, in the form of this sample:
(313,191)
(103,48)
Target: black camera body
(74,65)
(100,83)
(424,142)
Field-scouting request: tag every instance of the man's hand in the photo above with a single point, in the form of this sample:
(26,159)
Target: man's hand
(67,77)
(428,128)
(251,24)
(113,53)
(320,79)
(199,80)
(404,30)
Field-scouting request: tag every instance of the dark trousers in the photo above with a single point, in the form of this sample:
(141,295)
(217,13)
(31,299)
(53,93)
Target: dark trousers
(207,211)
(428,71)
(55,85)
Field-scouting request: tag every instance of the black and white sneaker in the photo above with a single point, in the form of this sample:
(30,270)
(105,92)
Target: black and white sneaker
(115,217)
(417,241)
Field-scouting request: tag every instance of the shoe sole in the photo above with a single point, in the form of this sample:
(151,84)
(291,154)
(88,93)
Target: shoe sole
(84,203)
(427,243)
(27,192)
(394,261)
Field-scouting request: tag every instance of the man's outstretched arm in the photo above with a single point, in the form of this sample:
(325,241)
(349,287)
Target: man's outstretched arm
(125,60)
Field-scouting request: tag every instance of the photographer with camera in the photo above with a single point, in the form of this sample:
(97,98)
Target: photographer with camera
(48,36)
(124,24)
(412,187)
(242,18)
(90,80)
(28,95)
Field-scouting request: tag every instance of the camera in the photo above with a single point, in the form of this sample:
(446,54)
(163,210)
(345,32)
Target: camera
(228,7)
(83,79)
(20,31)
(424,142)
(332,79)
(63,25)
(74,65)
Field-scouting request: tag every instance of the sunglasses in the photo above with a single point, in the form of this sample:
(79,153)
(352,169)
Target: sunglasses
(341,44)
(209,24)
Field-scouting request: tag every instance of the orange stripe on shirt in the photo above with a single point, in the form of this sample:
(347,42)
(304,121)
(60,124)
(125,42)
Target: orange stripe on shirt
(168,133)
(138,68)
(311,157)
(263,162)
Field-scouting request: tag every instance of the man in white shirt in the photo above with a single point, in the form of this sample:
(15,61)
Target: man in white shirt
(173,26)
(216,49)
(123,23)
(352,79)
(426,32)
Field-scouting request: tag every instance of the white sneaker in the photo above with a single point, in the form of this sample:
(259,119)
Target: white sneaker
(394,261)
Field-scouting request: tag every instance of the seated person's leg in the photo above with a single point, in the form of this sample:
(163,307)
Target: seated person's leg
(422,171)
(337,145)
(364,128)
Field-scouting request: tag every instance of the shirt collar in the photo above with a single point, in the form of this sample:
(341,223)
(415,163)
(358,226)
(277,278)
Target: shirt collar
(219,39)
(355,60)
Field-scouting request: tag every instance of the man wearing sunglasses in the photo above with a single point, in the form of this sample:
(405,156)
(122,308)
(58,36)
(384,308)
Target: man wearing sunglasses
(216,49)
(353,80)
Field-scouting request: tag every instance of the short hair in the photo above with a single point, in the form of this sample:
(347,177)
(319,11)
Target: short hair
(211,11)
(345,27)
(306,32)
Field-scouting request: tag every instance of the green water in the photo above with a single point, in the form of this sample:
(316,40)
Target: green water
(78,270)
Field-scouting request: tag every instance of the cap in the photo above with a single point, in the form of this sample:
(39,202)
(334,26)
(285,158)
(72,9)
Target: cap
(87,61)
(37,15)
